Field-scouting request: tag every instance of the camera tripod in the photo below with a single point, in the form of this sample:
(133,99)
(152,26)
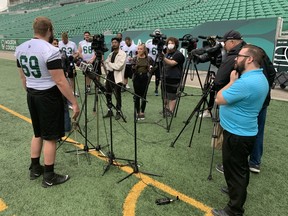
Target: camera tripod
(159,61)
(77,128)
(196,110)
(180,92)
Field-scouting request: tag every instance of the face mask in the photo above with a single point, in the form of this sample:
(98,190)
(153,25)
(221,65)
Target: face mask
(170,46)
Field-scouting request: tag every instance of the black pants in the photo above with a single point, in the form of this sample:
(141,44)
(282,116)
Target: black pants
(235,152)
(140,82)
(110,87)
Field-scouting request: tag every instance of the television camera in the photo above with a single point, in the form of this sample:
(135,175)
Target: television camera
(98,45)
(158,40)
(188,42)
(210,51)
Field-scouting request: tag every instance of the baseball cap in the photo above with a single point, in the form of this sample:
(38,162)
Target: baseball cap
(231,35)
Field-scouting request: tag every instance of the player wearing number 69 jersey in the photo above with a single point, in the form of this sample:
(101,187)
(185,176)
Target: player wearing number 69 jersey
(43,78)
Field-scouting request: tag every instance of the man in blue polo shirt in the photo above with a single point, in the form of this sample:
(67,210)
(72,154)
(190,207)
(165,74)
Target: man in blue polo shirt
(240,103)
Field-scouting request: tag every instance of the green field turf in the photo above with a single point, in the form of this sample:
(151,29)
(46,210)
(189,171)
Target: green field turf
(183,169)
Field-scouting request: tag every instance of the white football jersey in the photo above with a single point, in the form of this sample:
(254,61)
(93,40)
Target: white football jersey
(70,48)
(87,52)
(152,49)
(130,52)
(33,56)
(122,44)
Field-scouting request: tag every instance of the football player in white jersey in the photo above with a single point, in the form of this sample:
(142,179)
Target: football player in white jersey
(43,78)
(86,53)
(152,52)
(130,49)
(70,48)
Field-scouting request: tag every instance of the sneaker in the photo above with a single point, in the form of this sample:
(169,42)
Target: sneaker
(127,86)
(109,114)
(141,117)
(219,212)
(88,89)
(254,168)
(117,116)
(156,92)
(165,110)
(220,168)
(70,107)
(168,113)
(54,179)
(36,171)
(76,94)
(206,114)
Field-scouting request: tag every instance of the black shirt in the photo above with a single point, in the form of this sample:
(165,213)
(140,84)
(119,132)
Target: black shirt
(174,72)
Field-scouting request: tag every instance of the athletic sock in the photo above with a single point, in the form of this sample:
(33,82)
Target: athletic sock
(35,161)
(49,168)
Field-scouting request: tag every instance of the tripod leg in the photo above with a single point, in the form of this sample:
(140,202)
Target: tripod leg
(193,131)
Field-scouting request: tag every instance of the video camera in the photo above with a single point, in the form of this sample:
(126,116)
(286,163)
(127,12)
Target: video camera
(158,40)
(98,45)
(210,51)
(188,42)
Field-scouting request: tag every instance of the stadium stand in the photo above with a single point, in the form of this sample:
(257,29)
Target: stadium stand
(120,15)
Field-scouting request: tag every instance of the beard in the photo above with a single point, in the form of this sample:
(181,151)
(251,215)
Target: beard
(240,67)
(51,38)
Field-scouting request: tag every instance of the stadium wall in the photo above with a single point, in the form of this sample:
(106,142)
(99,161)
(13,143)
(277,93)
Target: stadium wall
(261,32)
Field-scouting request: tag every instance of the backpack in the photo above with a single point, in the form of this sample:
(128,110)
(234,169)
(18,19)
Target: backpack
(270,73)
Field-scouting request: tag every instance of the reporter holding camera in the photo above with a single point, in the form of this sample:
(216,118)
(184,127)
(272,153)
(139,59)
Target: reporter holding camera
(141,65)
(173,67)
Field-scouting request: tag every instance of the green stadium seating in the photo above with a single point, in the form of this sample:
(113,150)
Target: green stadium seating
(120,15)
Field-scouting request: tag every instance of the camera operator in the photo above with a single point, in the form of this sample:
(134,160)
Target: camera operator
(115,66)
(86,53)
(70,48)
(141,65)
(233,43)
(240,103)
(130,49)
(173,67)
(42,77)
(221,79)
